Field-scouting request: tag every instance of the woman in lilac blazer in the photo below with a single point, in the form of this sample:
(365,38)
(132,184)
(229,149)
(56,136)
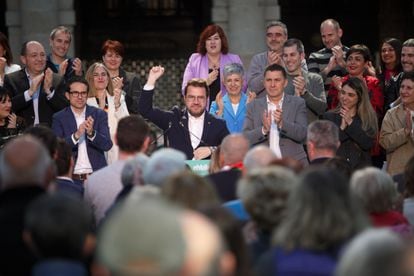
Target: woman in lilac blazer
(212,55)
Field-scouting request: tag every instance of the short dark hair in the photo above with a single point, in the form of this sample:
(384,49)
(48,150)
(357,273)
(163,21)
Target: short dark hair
(4,93)
(206,33)
(196,82)
(360,49)
(275,67)
(46,136)
(294,41)
(408,76)
(58,225)
(74,79)
(63,157)
(131,133)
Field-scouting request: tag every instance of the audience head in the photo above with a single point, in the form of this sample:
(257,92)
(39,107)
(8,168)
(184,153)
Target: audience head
(233,78)
(112,52)
(275,81)
(162,164)
(407,55)
(46,136)
(59,227)
(59,41)
(276,35)
(5,50)
(33,56)
(152,237)
(407,89)
(322,139)
(264,193)
(5,103)
(390,54)
(212,40)
(99,78)
(373,252)
(25,161)
(64,160)
(375,188)
(293,54)
(77,92)
(357,60)
(190,191)
(331,33)
(289,163)
(214,165)
(133,171)
(233,149)
(196,93)
(132,134)
(258,157)
(354,94)
(321,213)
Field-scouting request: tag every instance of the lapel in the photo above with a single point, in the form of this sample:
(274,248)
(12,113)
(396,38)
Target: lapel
(185,130)
(286,107)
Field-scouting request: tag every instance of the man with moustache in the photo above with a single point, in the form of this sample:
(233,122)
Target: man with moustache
(37,93)
(279,119)
(329,61)
(276,35)
(192,130)
(306,85)
(392,94)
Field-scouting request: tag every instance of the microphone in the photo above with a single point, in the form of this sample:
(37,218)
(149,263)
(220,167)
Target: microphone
(189,131)
(163,134)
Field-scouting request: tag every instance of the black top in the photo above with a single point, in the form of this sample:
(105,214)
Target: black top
(214,87)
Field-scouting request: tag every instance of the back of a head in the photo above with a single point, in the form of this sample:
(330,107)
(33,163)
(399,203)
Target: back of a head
(63,157)
(162,164)
(25,161)
(190,191)
(133,171)
(257,157)
(374,252)
(46,136)
(375,188)
(321,212)
(234,148)
(143,237)
(323,134)
(132,131)
(264,193)
(58,226)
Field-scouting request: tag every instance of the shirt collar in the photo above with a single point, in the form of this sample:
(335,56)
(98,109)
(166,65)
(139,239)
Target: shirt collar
(192,118)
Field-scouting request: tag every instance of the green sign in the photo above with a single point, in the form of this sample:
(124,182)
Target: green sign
(199,167)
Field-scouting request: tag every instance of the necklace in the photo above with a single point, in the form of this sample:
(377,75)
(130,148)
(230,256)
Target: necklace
(215,64)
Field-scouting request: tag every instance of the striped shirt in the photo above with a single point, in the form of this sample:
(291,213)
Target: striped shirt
(318,61)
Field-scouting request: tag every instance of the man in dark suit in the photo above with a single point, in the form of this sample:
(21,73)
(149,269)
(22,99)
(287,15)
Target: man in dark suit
(192,131)
(37,93)
(322,141)
(279,119)
(84,128)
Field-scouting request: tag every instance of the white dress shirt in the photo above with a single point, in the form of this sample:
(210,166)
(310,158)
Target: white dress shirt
(195,127)
(83,165)
(274,134)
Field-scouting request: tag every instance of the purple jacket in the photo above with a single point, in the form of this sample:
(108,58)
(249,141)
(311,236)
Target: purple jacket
(197,67)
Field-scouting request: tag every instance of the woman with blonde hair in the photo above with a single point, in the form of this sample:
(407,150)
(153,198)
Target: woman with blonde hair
(103,95)
(357,122)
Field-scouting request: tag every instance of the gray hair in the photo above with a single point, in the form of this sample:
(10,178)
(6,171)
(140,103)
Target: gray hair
(162,164)
(257,157)
(277,24)
(375,189)
(264,193)
(323,134)
(233,68)
(409,43)
(373,252)
(132,173)
(33,166)
(62,29)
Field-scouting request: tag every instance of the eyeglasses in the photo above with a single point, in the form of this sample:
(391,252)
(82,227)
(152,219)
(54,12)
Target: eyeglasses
(83,94)
(192,98)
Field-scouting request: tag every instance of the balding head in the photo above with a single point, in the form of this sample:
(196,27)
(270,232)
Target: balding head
(233,149)
(259,156)
(25,161)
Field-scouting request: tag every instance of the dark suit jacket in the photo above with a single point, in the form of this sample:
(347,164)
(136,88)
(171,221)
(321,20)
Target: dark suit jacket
(69,73)
(67,186)
(225,183)
(17,83)
(293,132)
(64,125)
(133,89)
(175,125)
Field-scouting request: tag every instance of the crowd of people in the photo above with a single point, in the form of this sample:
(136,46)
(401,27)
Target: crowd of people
(311,161)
